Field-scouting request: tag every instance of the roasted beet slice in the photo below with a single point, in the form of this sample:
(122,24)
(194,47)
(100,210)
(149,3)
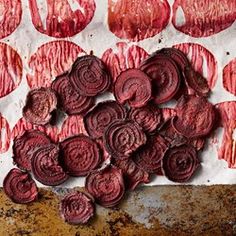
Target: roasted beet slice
(149,156)
(40,103)
(123,137)
(76,208)
(165,76)
(20,187)
(195,116)
(133,86)
(80,155)
(180,163)
(69,99)
(45,166)
(89,76)
(25,145)
(101,116)
(148,117)
(106,186)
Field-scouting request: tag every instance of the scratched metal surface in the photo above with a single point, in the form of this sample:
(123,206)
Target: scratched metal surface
(148,211)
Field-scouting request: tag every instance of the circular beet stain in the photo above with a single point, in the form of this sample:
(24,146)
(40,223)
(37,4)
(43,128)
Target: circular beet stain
(64,18)
(229,77)
(50,60)
(5,134)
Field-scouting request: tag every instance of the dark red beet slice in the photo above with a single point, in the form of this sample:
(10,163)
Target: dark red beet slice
(133,86)
(77,208)
(195,116)
(89,76)
(101,116)
(5,134)
(149,156)
(20,187)
(70,100)
(45,166)
(165,76)
(80,155)
(148,117)
(25,145)
(180,163)
(40,103)
(229,75)
(133,175)
(123,137)
(106,186)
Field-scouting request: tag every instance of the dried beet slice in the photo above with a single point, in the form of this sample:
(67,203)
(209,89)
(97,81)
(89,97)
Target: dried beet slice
(180,163)
(20,187)
(89,76)
(123,137)
(101,116)
(80,155)
(40,103)
(195,116)
(148,117)
(106,186)
(76,208)
(45,166)
(167,113)
(165,76)
(133,86)
(25,145)
(149,156)
(69,99)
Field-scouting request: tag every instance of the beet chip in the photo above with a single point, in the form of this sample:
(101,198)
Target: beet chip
(69,99)
(180,163)
(45,166)
(106,186)
(89,76)
(80,155)
(76,208)
(123,137)
(133,86)
(40,103)
(20,187)
(101,116)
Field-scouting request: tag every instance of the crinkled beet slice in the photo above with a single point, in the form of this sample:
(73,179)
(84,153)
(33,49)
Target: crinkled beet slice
(148,117)
(80,155)
(133,86)
(106,186)
(89,76)
(149,156)
(165,76)
(123,137)
(45,166)
(195,116)
(77,208)
(20,187)
(180,163)
(101,116)
(25,145)
(69,99)
(40,103)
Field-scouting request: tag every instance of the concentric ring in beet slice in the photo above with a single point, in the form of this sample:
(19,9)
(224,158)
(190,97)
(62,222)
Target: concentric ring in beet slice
(165,76)
(123,137)
(20,187)
(101,116)
(133,86)
(106,186)
(45,166)
(195,116)
(89,76)
(40,103)
(77,208)
(180,163)
(148,117)
(80,155)
(69,99)
(25,145)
